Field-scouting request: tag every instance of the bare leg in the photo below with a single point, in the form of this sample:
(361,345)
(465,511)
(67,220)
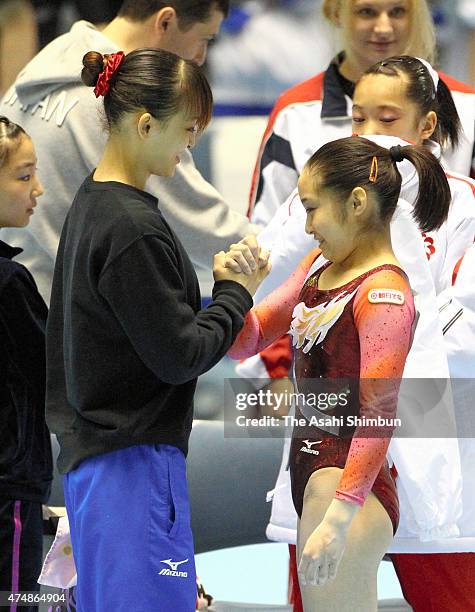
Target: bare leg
(371,532)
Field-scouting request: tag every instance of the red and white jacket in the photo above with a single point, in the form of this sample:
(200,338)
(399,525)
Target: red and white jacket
(317,111)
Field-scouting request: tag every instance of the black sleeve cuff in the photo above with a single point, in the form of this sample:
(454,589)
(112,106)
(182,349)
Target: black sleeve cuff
(238,294)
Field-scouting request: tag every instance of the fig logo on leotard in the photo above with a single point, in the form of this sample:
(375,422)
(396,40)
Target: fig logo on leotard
(313,324)
(386,296)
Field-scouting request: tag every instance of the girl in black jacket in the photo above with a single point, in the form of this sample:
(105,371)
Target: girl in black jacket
(25,449)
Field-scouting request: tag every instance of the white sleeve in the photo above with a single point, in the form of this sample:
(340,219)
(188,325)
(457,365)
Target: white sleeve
(429,473)
(460,226)
(286,238)
(457,313)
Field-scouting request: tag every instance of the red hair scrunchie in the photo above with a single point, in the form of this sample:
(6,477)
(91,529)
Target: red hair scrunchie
(103,82)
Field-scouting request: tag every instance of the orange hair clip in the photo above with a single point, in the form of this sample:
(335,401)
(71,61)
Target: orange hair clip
(373,173)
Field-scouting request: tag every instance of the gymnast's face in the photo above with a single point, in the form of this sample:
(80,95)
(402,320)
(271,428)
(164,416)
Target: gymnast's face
(381,106)
(326,220)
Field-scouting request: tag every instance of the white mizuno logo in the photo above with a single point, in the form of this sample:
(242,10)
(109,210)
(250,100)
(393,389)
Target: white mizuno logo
(310,444)
(173,568)
(173,564)
(308,449)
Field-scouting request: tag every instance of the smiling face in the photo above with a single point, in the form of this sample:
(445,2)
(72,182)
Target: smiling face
(374,30)
(166,141)
(326,220)
(19,185)
(381,106)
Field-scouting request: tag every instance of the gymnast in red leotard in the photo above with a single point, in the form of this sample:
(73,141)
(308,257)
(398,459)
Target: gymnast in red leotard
(349,310)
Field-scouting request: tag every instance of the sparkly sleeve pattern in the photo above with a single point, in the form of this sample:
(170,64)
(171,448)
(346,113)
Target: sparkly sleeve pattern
(271,318)
(385,333)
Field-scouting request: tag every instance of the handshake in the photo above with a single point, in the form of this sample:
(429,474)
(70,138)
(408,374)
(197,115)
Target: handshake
(245,263)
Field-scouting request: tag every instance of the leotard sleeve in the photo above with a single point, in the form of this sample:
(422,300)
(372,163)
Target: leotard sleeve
(271,318)
(383,312)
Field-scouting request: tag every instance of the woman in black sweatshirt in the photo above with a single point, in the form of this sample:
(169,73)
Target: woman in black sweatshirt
(127,338)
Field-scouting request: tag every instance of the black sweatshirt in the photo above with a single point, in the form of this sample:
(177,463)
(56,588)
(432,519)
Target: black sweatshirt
(126,338)
(26,467)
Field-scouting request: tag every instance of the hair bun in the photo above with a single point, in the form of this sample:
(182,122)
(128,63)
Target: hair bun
(93,63)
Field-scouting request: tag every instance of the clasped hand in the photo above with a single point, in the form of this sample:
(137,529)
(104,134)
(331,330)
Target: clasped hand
(245,262)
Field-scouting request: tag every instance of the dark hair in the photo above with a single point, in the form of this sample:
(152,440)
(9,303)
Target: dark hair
(188,12)
(346,163)
(155,81)
(10,137)
(421,90)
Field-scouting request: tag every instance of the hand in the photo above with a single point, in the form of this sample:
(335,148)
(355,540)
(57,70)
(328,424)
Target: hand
(325,546)
(321,555)
(246,255)
(249,282)
(244,263)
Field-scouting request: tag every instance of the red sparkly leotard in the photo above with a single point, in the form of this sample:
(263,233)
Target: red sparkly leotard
(361,330)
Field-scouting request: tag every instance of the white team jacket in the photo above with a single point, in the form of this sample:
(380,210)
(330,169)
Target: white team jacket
(429,482)
(457,304)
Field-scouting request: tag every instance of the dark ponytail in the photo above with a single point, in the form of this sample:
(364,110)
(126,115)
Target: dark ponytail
(344,164)
(433,199)
(421,90)
(448,120)
(153,81)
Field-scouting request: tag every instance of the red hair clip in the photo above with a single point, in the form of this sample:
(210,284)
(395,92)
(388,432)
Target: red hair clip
(373,173)
(114,60)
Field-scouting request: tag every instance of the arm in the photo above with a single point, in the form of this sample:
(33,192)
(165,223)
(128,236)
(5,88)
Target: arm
(173,341)
(462,283)
(460,226)
(271,318)
(385,334)
(465,10)
(457,318)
